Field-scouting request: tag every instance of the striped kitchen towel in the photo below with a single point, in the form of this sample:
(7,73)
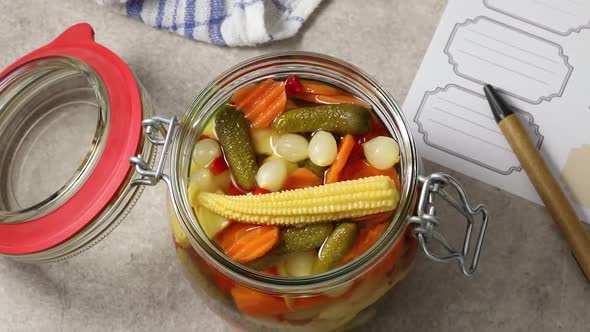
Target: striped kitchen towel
(221,22)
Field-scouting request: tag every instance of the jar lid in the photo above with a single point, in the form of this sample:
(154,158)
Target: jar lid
(103,171)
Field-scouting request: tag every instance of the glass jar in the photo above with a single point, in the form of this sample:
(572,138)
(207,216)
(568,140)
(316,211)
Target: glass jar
(70,117)
(83,101)
(341,297)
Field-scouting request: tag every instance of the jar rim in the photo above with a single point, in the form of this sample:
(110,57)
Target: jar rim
(52,69)
(311,65)
(24,84)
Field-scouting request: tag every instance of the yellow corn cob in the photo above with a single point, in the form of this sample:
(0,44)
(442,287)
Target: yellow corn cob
(334,201)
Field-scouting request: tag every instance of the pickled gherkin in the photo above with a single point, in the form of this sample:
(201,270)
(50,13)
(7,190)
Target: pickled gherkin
(297,239)
(336,247)
(339,119)
(233,131)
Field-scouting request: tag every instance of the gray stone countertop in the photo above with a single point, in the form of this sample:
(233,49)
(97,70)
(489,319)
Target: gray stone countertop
(527,280)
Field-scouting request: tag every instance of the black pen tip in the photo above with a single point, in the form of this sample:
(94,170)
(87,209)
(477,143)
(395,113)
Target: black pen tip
(499,109)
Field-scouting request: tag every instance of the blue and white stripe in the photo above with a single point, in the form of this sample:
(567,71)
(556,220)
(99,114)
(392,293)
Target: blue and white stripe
(224,22)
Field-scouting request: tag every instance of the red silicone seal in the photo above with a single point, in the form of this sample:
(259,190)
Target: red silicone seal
(113,166)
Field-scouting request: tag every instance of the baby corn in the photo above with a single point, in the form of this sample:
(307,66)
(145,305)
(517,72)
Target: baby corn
(329,202)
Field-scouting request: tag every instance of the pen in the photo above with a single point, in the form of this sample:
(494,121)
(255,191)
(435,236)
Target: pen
(545,184)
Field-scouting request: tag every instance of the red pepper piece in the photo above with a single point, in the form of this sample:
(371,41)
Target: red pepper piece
(259,191)
(234,190)
(218,166)
(293,86)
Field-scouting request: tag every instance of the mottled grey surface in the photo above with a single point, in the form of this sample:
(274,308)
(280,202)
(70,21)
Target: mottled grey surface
(527,281)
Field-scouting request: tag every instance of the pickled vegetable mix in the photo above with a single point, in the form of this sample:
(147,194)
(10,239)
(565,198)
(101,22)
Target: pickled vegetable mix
(293,178)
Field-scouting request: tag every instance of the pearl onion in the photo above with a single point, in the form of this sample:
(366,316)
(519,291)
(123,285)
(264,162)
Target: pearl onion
(292,147)
(201,180)
(299,264)
(205,151)
(381,152)
(322,148)
(272,174)
(262,139)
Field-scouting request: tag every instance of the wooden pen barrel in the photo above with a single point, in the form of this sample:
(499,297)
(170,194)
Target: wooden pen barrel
(549,189)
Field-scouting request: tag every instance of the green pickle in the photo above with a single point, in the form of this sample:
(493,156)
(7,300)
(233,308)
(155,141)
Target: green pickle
(338,119)
(337,245)
(298,239)
(234,135)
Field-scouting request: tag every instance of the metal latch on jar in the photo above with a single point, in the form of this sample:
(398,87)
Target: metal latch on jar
(426,220)
(159,131)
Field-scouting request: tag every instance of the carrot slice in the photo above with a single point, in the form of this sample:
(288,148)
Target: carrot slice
(224,283)
(256,303)
(249,96)
(319,88)
(243,93)
(267,99)
(332,99)
(367,237)
(346,146)
(246,242)
(266,115)
(301,178)
(261,103)
(392,257)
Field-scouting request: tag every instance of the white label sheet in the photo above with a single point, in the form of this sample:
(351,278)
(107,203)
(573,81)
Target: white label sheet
(537,54)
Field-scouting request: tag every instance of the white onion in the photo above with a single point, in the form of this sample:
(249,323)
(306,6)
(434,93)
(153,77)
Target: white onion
(262,139)
(211,222)
(290,166)
(300,264)
(322,148)
(272,174)
(292,147)
(201,180)
(381,152)
(205,151)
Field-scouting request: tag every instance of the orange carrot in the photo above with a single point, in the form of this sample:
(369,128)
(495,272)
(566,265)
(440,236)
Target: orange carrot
(262,102)
(248,95)
(301,178)
(224,283)
(256,303)
(332,99)
(392,257)
(239,97)
(368,236)
(268,112)
(269,97)
(319,88)
(246,242)
(341,158)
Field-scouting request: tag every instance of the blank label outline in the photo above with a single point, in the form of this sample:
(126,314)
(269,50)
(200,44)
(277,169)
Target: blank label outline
(473,79)
(537,24)
(528,117)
